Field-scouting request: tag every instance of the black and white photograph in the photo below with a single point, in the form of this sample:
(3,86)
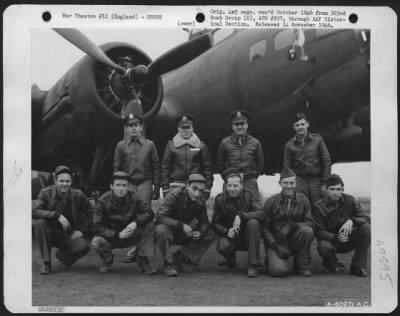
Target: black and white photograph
(211,167)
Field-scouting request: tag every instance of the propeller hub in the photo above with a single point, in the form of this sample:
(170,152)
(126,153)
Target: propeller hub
(137,75)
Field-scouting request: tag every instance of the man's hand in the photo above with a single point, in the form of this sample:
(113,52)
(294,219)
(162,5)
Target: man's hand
(64,222)
(187,230)
(125,233)
(346,228)
(156,192)
(284,231)
(231,233)
(76,234)
(282,252)
(196,235)
(236,224)
(131,227)
(342,238)
(165,192)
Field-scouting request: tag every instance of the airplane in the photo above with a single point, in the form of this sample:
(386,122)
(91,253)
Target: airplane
(272,73)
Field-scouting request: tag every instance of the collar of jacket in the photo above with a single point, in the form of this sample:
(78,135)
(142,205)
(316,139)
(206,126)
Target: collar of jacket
(56,195)
(228,198)
(193,141)
(283,198)
(126,199)
(329,202)
(139,140)
(235,138)
(308,137)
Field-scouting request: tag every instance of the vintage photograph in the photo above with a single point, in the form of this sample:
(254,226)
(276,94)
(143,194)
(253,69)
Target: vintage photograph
(201,167)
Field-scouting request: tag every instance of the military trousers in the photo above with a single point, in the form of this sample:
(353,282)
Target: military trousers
(143,238)
(310,187)
(49,233)
(359,241)
(166,236)
(299,244)
(248,240)
(144,190)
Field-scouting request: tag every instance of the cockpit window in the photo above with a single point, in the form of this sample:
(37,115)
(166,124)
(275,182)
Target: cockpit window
(257,50)
(284,39)
(221,34)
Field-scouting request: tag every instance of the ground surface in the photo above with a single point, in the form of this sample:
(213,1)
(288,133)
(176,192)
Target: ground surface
(208,285)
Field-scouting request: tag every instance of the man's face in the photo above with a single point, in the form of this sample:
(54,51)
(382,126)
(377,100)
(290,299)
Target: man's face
(234,186)
(301,127)
(196,191)
(185,131)
(288,185)
(63,182)
(240,128)
(335,192)
(120,187)
(134,129)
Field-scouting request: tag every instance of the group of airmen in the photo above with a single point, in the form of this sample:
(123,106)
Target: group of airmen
(311,204)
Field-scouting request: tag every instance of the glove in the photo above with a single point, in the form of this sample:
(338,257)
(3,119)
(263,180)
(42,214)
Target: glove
(156,192)
(282,252)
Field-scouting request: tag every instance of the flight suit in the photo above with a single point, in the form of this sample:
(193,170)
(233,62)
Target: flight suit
(178,209)
(311,162)
(111,216)
(49,232)
(251,214)
(288,223)
(330,216)
(183,158)
(139,159)
(244,154)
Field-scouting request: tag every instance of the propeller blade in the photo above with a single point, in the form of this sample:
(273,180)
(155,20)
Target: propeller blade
(180,55)
(85,44)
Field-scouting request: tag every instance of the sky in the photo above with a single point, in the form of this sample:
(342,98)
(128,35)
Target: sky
(52,56)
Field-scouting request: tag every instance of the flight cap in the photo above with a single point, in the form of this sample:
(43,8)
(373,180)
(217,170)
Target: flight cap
(299,116)
(185,120)
(287,173)
(230,172)
(239,116)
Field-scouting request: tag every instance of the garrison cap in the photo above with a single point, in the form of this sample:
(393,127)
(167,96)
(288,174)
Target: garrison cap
(132,118)
(231,172)
(298,116)
(120,175)
(239,116)
(62,169)
(334,179)
(185,120)
(196,177)
(287,173)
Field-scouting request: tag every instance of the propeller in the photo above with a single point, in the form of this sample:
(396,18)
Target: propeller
(137,75)
(85,44)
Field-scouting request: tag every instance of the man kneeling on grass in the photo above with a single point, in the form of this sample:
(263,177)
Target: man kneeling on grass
(342,227)
(121,220)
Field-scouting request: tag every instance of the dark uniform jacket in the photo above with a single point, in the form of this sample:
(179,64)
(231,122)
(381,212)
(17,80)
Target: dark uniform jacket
(226,209)
(139,159)
(178,209)
(277,215)
(46,207)
(180,162)
(310,159)
(248,158)
(330,216)
(111,216)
